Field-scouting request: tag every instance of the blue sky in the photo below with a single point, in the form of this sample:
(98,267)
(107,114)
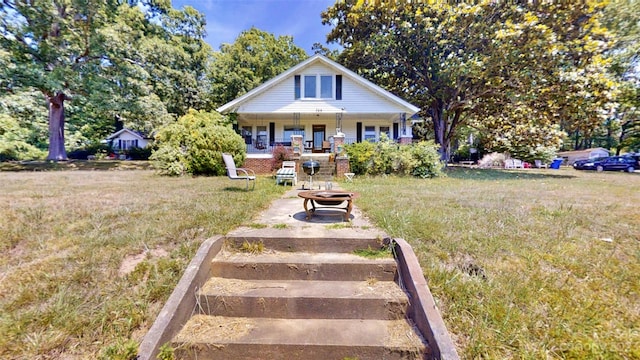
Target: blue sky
(226,19)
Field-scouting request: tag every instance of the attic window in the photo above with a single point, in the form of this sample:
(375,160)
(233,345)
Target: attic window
(314,86)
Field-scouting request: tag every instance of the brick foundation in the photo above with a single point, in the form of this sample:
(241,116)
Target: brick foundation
(260,165)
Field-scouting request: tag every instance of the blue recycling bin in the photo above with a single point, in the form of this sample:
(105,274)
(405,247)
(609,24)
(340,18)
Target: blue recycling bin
(556,164)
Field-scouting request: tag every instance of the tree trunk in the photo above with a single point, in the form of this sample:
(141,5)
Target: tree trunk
(440,129)
(56,127)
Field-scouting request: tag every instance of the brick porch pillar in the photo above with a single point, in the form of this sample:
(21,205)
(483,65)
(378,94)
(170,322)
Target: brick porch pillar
(342,160)
(338,144)
(342,166)
(296,144)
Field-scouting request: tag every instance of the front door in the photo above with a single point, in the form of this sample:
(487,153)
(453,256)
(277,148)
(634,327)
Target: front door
(318,137)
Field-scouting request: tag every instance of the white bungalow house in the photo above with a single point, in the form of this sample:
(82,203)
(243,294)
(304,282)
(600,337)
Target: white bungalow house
(126,139)
(323,103)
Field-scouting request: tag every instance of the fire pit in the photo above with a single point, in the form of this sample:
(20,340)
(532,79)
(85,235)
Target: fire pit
(328,198)
(310,168)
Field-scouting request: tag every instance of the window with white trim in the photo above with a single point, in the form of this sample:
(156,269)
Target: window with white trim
(315,87)
(370,133)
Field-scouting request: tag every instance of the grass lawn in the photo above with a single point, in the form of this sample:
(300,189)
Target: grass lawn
(535,264)
(523,264)
(88,258)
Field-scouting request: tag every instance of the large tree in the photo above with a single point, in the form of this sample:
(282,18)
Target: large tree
(504,65)
(135,61)
(623,18)
(55,48)
(255,57)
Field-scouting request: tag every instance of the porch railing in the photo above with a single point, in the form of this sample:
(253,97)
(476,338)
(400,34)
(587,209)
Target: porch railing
(267,148)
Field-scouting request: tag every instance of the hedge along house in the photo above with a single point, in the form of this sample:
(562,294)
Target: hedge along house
(315,107)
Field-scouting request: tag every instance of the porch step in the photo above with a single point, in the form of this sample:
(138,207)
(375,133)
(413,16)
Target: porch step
(216,337)
(302,266)
(299,299)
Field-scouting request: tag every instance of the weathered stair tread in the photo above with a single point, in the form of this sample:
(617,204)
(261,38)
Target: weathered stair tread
(302,257)
(251,337)
(303,299)
(302,266)
(303,288)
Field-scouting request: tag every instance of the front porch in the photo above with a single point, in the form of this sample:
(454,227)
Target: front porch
(332,167)
(253,147)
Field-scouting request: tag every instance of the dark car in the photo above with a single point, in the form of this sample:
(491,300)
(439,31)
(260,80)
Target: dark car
(635,157)
(587,164)
(616,163)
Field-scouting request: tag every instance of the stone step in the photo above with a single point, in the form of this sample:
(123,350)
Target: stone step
(305,241)
(302,266)
(216,337)
(296,299)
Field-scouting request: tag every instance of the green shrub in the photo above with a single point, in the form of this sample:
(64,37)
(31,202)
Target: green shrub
(427,160)
(137,153)
(195,143)
(14,141)
(360,156)
(169,161)
(386,157)
(97,149)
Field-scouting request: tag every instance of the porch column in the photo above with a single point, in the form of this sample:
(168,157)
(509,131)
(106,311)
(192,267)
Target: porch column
(406,137)
(338,144)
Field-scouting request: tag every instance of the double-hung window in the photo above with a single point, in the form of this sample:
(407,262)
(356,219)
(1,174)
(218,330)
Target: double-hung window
(314,87)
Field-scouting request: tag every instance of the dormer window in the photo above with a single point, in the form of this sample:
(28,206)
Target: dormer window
(317,86)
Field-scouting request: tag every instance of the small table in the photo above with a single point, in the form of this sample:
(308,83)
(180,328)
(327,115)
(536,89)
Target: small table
(349,176)
(329,199)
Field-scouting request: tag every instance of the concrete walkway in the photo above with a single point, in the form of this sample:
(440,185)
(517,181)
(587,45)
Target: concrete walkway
(286,218)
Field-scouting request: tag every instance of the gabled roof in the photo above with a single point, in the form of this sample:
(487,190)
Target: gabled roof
(236,103)
(118,133)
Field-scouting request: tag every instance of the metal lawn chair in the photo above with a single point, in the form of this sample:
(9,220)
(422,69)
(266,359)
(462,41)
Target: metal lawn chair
(232,171)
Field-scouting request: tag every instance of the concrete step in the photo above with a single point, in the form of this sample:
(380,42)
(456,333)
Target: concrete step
(302,266)
(299,299)
(215,337)
(306,241)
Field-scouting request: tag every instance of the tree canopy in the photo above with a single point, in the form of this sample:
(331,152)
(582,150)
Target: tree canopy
(134,61)
(255,57)
(520,71)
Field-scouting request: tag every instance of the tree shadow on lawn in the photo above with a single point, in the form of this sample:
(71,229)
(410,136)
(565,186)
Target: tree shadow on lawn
(76,165)
(500,174)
